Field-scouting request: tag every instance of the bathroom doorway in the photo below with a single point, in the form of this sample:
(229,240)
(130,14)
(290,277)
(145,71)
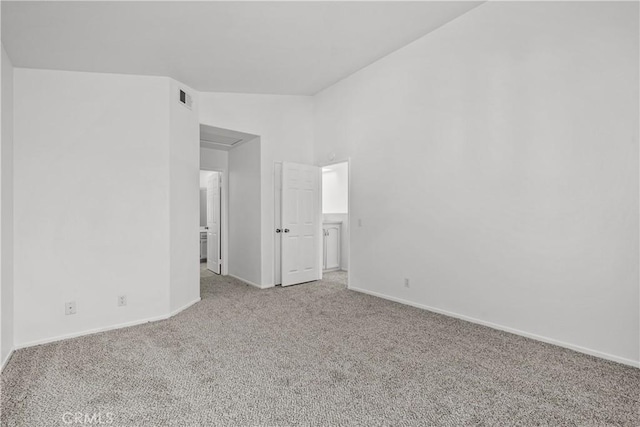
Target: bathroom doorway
(335,222)
(211,222)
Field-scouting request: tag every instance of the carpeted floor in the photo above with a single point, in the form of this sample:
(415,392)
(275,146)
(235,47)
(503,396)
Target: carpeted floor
(312,354)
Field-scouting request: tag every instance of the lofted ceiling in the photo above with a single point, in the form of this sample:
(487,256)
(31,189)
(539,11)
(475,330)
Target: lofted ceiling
(253,47)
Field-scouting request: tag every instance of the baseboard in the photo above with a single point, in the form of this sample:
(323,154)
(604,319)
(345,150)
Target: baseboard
(248,282)
(547,340)
(6,360)
(106,328)
(184,307)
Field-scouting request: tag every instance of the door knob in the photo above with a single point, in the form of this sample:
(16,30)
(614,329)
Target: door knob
(278,230)
(286,230)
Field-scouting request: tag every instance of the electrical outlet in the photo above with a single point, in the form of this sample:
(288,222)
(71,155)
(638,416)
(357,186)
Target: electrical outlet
(406,283)
(122,300)
(70,307)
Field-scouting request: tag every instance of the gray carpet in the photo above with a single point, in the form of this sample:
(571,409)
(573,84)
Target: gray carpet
(313,354)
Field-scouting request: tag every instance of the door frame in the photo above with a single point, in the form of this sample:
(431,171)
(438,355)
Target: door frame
(277,223)
(224,215)
(346,160)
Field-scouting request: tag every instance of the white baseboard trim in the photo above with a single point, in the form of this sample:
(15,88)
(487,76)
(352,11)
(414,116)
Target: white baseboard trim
(105,328)
(90,331)
(184,307)
(248,282)
(547,340)
(6,360)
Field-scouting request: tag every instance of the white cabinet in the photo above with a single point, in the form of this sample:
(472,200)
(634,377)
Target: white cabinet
(203,245)
(331,247)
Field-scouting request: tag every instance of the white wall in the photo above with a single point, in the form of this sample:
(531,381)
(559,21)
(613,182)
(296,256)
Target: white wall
(204,176)
(285,126)
(335,188)
(92,199)
(244,220)
(211,159)
(184,158)
(509,142)
(6,211)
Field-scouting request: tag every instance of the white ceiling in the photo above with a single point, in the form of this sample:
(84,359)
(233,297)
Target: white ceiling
(254,47)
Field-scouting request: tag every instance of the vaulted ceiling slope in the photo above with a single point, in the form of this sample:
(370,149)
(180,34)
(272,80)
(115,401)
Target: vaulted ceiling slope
(253,47)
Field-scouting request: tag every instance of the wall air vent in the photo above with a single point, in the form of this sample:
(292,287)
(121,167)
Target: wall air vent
(185,99)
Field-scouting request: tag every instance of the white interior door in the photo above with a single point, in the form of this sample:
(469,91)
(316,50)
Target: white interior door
(213,223)
(300,224)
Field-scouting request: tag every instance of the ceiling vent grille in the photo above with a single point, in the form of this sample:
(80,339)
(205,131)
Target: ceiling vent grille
(185,99)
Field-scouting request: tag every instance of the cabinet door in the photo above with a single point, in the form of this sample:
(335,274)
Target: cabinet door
(332,247)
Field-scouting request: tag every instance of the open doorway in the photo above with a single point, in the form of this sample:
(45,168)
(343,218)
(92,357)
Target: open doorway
(311,223)
(235,157)
(210,222)
(335,222)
